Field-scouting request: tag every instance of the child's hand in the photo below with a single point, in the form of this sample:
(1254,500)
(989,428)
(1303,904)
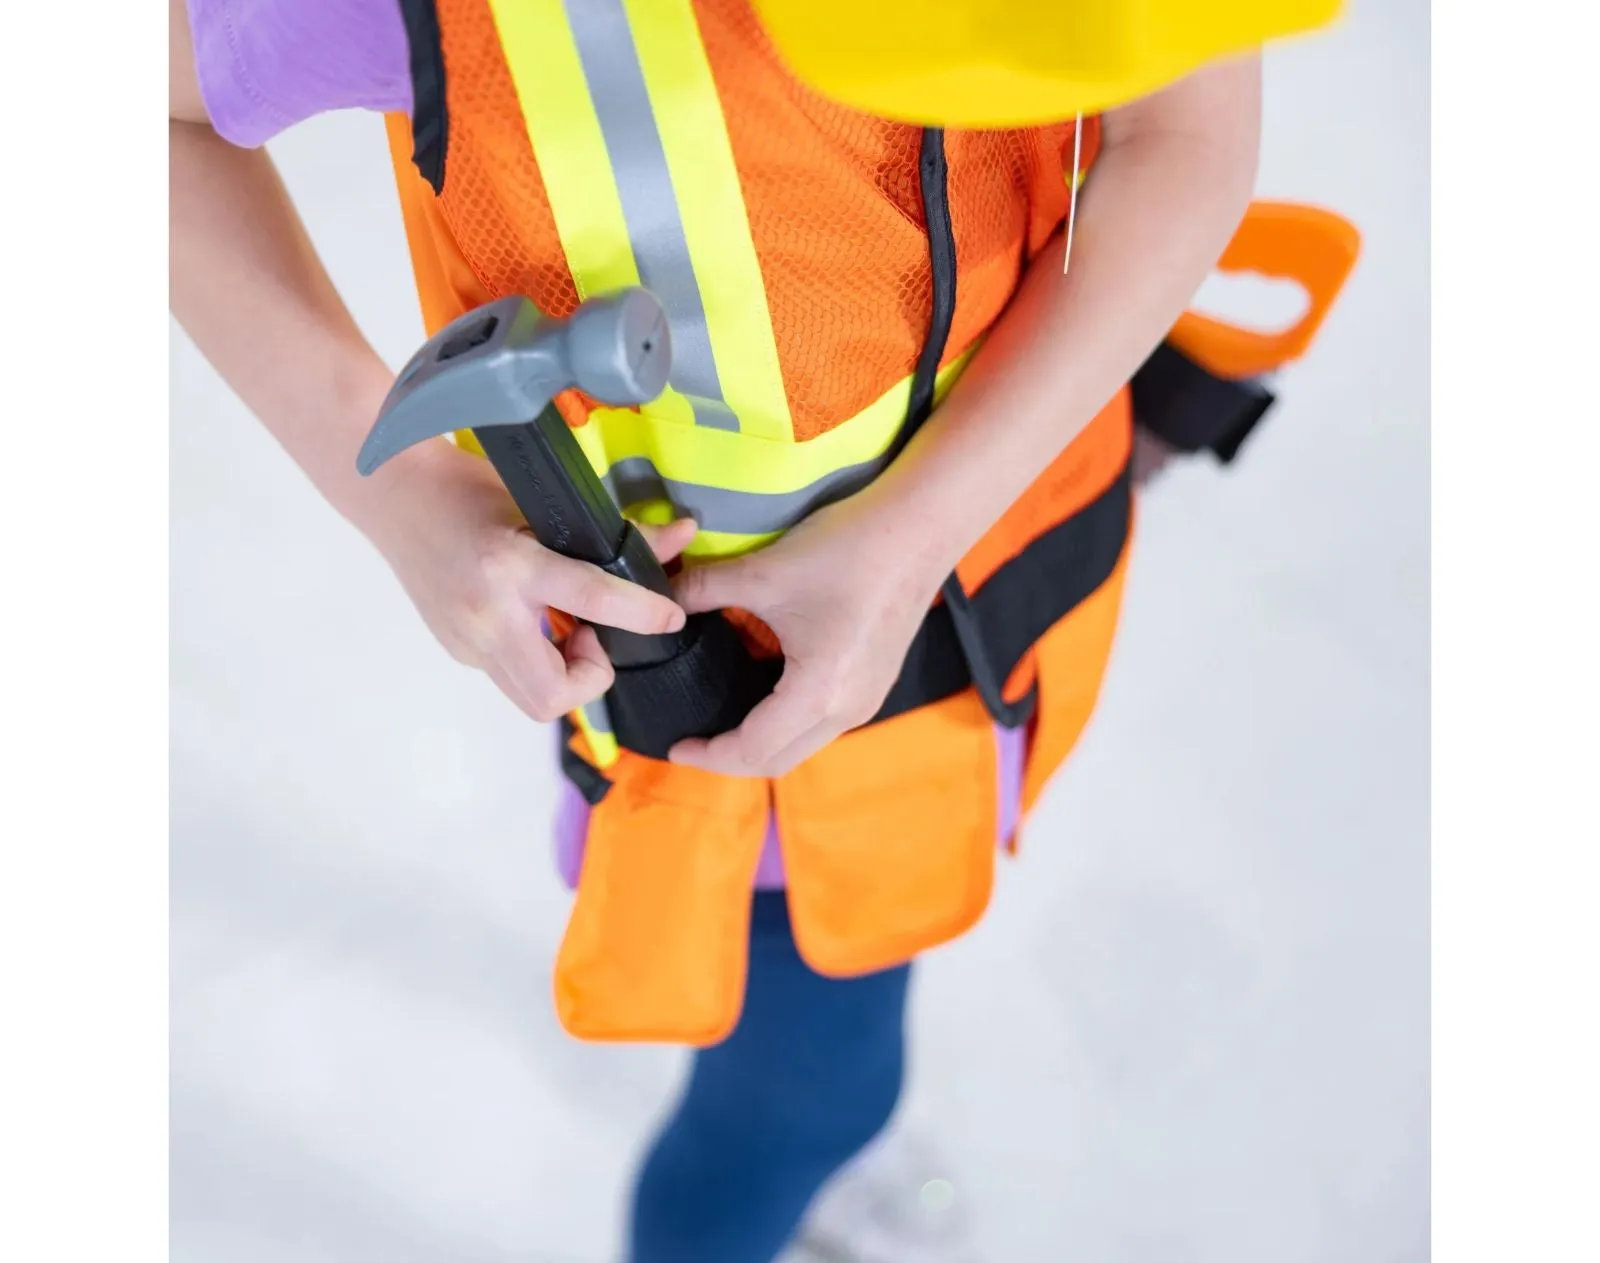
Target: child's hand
(482,583)
(845,592)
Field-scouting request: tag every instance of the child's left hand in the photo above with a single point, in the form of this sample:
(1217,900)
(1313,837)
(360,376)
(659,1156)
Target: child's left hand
(846,589)
(845,592)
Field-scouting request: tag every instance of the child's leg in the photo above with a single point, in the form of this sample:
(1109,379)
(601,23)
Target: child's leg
(809,1077)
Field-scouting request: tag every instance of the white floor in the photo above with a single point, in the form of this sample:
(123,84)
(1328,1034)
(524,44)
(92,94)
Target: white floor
(1194,1026)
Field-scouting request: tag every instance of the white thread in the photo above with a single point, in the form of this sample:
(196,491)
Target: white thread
(1075,179)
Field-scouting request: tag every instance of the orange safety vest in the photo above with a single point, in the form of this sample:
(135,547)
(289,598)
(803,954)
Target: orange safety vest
(855,268)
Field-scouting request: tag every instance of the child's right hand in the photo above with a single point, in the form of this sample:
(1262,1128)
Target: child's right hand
(482,583)
(250,290)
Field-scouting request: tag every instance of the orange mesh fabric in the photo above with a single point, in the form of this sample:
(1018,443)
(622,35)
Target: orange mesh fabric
(1008,195)
(836,218)
(494,201)
(494,208)
(835,208)
(833,199)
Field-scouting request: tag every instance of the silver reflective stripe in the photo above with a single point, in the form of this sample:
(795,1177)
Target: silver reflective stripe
(644,186)
(635,479)
(597,716)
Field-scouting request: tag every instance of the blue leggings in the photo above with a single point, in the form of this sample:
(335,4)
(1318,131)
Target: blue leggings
(811,1074)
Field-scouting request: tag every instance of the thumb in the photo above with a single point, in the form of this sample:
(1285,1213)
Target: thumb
(718,585)
(668,541)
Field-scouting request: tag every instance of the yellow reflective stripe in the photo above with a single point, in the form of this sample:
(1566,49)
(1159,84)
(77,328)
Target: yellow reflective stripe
(567,143)
(738,462)
(720,545)
(593,443)
(614,439)
(721,458)
(602,743)
(621,102)
(570,150)
(705,182)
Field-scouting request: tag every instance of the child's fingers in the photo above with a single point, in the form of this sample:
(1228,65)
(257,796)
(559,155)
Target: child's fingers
(744,583)
(793,721)
(669,541)
(590,594)
(545,682)
(589,671)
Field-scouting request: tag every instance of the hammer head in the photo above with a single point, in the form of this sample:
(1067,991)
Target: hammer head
(503,363)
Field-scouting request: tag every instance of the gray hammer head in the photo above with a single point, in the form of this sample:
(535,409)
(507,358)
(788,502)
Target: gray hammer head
(503,363)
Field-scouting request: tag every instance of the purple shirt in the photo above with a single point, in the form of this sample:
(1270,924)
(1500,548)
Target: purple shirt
(265,65)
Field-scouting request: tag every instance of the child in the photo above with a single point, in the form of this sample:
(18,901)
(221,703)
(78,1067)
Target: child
(830,277)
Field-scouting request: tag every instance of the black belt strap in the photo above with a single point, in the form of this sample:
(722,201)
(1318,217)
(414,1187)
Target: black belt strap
(1022,600)
(1192,409)
(652,708)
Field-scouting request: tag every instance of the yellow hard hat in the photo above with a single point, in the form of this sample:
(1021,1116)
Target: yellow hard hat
(1016,63)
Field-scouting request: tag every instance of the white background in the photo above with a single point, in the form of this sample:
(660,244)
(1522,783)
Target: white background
(1195,1023)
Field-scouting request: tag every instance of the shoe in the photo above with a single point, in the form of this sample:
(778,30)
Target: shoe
(897,1202)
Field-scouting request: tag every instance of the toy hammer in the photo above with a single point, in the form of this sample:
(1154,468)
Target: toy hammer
(495,371)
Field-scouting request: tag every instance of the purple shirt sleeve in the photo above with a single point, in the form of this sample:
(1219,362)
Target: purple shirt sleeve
(265,65)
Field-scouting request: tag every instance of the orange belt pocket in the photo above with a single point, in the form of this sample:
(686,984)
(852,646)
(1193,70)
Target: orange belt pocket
(888,837)
(656,945)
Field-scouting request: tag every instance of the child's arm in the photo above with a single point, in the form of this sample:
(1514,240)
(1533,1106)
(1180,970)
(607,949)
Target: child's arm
(1175,174)
(248,288)
(846,590)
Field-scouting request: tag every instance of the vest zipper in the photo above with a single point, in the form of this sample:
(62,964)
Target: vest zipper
(935,176)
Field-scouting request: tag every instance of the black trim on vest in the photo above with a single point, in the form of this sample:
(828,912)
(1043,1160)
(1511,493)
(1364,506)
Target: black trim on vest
(430,119)
(934,173)
(1191,409)
(934,176)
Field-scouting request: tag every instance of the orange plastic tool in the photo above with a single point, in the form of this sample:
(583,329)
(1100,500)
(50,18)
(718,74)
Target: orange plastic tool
(1289,241)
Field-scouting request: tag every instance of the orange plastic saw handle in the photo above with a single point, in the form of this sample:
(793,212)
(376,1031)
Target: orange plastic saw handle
(1286,241)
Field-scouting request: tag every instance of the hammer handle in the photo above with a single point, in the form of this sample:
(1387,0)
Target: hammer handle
(570,512)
